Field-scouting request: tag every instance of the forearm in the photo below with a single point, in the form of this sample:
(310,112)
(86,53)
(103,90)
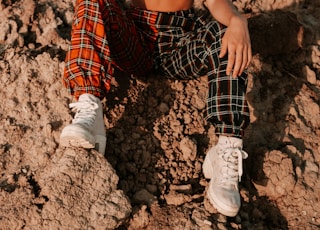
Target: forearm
(222,10)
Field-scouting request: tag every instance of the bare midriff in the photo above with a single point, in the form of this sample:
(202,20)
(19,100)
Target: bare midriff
(163,5)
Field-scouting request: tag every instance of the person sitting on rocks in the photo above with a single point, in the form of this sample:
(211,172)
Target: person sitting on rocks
(175,40)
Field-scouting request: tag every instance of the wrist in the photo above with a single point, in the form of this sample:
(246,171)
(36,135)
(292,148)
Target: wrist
(238,18)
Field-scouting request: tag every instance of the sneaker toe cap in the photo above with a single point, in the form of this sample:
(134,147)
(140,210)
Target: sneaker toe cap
(226,200)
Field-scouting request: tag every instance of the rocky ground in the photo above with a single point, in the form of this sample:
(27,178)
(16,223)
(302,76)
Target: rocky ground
(150,177)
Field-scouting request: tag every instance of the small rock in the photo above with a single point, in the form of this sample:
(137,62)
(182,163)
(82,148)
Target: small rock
(188,149)
(143,196)
(181,188)
(177,199)
(163,108)
(198,103)
(151,188)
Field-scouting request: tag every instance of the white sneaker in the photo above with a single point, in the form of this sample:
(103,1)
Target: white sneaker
(223,165)
(87,129)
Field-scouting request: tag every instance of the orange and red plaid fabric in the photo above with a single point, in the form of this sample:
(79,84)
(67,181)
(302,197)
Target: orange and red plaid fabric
(103,39)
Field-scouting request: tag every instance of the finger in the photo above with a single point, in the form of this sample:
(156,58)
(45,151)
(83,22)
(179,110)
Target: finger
(238,62)
(249,56)
(244,63)
(231,62)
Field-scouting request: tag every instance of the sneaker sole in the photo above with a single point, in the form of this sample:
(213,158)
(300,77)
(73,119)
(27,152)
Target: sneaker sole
(100,143)
(71,142)
(73,138)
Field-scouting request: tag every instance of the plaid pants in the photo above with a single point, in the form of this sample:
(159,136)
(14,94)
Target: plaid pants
(181,45)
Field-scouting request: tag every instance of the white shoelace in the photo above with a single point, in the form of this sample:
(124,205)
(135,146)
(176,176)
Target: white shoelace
(232,168)
(85,112)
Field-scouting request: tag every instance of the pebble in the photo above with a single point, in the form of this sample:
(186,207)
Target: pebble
(151,188)
(177,199)
(188,149)
(143,196)
(181,188)
(163,108)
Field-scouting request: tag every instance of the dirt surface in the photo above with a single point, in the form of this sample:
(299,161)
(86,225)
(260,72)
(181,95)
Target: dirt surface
(150,177)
